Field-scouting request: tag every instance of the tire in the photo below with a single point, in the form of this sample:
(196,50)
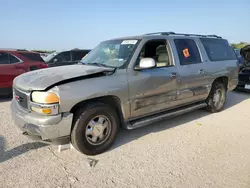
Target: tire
(82,126)
(217,87)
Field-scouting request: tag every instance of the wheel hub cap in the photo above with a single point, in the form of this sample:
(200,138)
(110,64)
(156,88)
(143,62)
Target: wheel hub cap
(98,130)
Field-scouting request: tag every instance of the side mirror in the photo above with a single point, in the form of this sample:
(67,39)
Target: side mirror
(146,63)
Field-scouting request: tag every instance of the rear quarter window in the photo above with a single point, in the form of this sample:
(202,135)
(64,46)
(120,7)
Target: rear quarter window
(32,56)
(218,49)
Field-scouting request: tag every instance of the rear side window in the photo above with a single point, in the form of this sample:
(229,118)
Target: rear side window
(4,58)
(77,56)
(32,56)
(187,51)
(218,49)
(13,59)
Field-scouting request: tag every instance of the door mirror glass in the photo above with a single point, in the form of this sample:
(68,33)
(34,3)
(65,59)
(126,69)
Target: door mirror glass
(146,63)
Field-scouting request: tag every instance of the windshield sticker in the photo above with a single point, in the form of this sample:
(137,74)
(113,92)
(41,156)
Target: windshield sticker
(129,42)
(186,53)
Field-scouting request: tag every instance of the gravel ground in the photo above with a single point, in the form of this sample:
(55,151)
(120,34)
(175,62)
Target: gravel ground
(197,149)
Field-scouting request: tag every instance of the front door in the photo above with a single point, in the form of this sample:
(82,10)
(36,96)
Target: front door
(155,89)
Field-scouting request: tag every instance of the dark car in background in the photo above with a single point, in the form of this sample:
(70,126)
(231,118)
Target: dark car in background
(69,57)
(244,74)
(14,62)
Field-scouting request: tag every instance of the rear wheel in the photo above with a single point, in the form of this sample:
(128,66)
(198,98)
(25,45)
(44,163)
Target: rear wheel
(217,97)
(95,129)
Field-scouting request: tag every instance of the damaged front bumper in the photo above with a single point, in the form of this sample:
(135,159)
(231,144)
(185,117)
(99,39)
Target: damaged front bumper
(47,129)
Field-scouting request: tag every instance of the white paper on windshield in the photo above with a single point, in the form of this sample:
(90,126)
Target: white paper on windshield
(129,42)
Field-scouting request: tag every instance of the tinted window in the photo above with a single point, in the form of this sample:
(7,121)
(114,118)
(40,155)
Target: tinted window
(4,58)
(77,56)
(218,49)
(63,57)
(33,56)
(13,59)
(187,51)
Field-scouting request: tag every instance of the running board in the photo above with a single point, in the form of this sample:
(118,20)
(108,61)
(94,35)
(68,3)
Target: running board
(163,115)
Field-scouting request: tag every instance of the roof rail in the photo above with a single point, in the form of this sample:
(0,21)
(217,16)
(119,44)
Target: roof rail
(184,34)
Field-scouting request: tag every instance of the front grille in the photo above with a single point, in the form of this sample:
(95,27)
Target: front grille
(21,98)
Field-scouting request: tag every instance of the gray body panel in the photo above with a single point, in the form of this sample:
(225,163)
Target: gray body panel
(140,93)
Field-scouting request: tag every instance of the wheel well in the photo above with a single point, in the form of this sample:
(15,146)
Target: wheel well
(113,101)
(223,79)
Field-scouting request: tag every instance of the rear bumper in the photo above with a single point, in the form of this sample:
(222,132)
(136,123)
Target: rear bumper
(48,129)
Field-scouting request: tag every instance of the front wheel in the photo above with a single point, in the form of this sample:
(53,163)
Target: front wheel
(217,97)
(95,129)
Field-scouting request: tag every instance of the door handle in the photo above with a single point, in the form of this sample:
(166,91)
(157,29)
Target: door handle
(201,71)
(173,75)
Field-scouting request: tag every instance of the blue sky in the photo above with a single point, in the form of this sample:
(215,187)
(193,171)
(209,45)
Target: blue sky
(66,24)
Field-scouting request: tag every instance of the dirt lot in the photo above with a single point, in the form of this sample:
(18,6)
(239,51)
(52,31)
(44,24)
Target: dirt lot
(194,150)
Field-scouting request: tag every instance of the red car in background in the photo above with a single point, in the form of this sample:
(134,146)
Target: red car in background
(14,63)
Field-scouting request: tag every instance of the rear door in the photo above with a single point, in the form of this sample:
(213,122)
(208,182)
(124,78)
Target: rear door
(33,61)
(192,82)
(9,69)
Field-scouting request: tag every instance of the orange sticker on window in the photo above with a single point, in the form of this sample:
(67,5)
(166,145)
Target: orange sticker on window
(186,53)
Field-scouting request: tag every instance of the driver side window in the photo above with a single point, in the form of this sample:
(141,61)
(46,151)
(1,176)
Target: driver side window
(156,49)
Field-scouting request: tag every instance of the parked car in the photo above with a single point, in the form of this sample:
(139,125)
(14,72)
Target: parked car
(65,57)
(127,82)
(15,62)
(244,74)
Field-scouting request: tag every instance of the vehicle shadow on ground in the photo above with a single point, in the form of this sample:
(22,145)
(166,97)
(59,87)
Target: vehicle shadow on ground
(126,136)
(17,151)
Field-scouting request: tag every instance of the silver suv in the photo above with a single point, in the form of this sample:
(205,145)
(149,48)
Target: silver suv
(127,82)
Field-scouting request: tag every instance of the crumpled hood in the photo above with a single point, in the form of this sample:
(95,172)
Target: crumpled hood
(43,78)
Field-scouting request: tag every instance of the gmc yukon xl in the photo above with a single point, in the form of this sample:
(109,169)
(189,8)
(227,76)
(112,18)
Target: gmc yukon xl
(126,82)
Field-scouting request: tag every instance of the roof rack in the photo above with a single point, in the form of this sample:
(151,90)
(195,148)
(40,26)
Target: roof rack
(183,34)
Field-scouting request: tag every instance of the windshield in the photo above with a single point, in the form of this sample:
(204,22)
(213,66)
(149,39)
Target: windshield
(113,53)
(50,56)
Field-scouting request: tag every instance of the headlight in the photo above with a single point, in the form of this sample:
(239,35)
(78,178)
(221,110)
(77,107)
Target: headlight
(45,103)
(44,97)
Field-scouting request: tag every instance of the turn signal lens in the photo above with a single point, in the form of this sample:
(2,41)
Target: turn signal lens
(46,111)
(44,97)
